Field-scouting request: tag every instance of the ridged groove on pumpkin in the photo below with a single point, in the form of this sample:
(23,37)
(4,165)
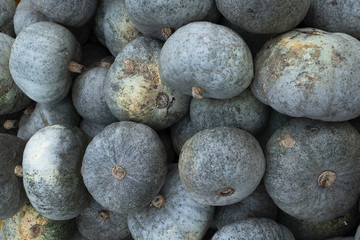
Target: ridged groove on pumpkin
(326,178)
(118,172)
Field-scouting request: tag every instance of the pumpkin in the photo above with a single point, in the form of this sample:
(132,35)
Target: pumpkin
(7,12)
(91,128)
(264,17)
(173,214)
(135,92)
(39,61)
(52,171)
(181,131)
(310,73)
(203,59)
(124,166)
(221,166)
(328,153)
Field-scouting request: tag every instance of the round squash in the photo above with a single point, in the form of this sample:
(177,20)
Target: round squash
(12,194)
(254,229)
(310,73)
(28,223)
(264,16)
(91,128)
(39,61)
(181,131)
(203,59)
(173,214)
(124,166)
(221,166)
(7,12)
(52,171)
(135,92)
(328,154)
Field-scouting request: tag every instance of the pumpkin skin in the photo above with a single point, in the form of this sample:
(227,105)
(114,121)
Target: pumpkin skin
(28,223)
(124,166)
(41,70)
(243,111)
(329,153)
(12,99)
(52,171)
(7,10)
(322,15)
(135,92)
(203,59)
(44,115)
(97,223)
(257,205)
(151,17)
(305,230)
(221,166)
(74,13)
(89,98)
(264,17)
(179,217)
(304,66)
(91,128)
(112,25)
(12,194)
(254,229)
(181,131)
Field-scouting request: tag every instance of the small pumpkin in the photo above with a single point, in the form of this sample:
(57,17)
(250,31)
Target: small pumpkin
(8,8)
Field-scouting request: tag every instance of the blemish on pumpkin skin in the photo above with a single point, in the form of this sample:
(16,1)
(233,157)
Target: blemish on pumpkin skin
(287,141)
(296,46)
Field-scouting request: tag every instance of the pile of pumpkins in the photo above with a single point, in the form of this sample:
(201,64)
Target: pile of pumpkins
(212,119)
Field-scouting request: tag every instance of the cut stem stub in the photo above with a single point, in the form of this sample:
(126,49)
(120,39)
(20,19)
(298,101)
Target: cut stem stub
(104,215)
(18,171)
(118,172)
(326,178)
(158,201)
(161,100)
(225,192)
(197,92)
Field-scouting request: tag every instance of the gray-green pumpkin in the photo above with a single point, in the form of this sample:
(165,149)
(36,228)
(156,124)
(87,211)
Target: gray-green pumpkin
(12,194)
(124,166)
(181,131)
(40,58)
(173,214)
(254,229)
(221,166)
(52,171)
(112,25)
(28,224)
(313,169)
(12,99)
(203,59)
(310,73)
(135,92)
(7,12)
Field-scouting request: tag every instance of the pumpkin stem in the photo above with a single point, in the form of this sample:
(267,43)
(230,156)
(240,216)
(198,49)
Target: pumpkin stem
(18,171)
(167,32)
(28,111)
(104,215)
(326,179)
(197,92)
(161,100)
(11,124)
(118,172)
(75,67)
(158,201)
(37,230)
(225,192)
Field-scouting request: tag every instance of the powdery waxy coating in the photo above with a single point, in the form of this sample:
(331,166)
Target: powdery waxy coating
(95,222)
(12,194)
(90,128)
(181,131)
(72,13)
(12,99)
(310,73)
(112,25)
(335,16)
(254,229)
(150,17)
(258,204)
(28,223)
(124,166)
(7,10)
(52,171)
(89,98)
(135,92)
(179,218)
(265,17)
(44,115)
(208,56)
(243,111)
(221,166)
(39,60)
(327,155)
